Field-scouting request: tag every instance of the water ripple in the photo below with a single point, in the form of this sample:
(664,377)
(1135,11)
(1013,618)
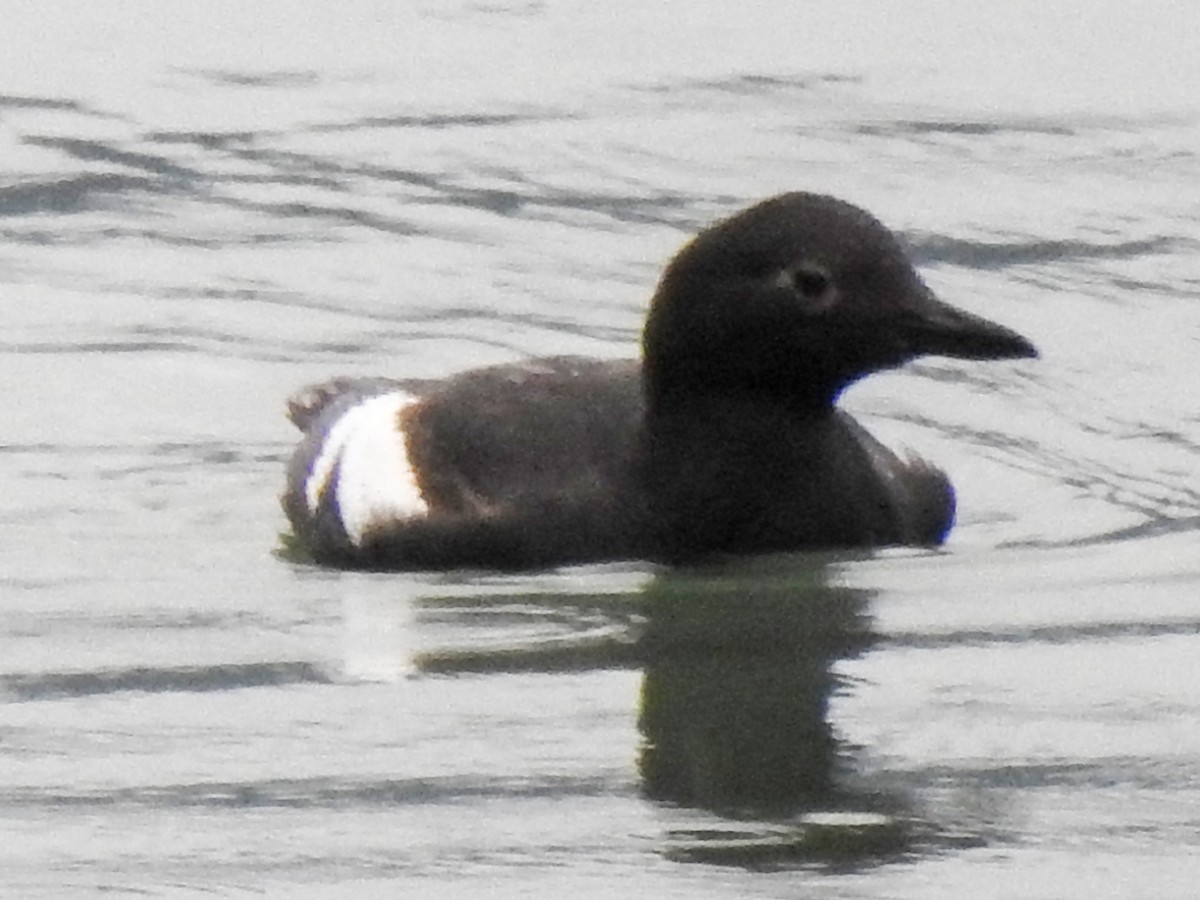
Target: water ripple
(329,792)
(931,250)
(226,677)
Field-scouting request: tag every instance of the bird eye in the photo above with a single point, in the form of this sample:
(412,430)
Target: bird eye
(812,283)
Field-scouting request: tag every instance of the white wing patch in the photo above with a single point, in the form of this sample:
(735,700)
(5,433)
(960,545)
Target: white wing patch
(375,480)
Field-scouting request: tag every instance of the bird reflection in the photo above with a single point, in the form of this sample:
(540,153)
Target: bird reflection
(739,668)
(738,678)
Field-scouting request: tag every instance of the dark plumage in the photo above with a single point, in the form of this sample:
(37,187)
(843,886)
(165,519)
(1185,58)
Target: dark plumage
(724,439)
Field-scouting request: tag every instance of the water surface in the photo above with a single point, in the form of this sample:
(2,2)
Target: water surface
(202,210)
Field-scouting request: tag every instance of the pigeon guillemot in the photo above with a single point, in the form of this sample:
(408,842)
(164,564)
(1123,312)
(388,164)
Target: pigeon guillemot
(723,439)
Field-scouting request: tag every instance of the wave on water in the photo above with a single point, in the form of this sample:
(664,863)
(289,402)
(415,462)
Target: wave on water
(150,679)
(970,128)
(321,792)
(67,195)
(938,249)
(1071,633)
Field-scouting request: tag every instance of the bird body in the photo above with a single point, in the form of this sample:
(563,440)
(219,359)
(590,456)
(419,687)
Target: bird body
(723,438)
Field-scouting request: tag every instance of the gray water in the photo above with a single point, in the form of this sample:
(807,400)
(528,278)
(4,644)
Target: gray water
(204,208)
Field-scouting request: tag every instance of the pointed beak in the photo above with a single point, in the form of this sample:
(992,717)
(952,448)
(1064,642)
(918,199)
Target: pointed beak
(935,328)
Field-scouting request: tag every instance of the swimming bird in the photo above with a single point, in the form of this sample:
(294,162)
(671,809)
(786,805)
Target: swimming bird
(724,438)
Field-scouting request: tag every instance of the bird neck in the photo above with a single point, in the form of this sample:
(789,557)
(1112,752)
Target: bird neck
(684,390)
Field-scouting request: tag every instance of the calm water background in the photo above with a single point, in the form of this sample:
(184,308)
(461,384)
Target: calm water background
(205,207)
